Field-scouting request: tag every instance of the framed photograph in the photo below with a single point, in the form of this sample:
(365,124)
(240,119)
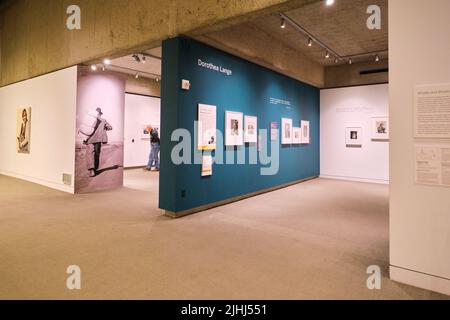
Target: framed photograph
(297,135)
(23,130)
(207,127)
(305,132)
(273,131)
(353,136)
(286,128)
(380,128)
(234,128)
(251,129)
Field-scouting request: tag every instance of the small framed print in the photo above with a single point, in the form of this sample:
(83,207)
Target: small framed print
(353,136)
(286,129)
(380,128)
(297,137)
(305,132)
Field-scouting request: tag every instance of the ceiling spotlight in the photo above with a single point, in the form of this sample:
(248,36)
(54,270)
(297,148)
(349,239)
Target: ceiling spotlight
(137,76)
(329,2)
(327,55)
(377,58)
(283,23)
(103,68)
(94,67)
(107,61)
(336,60)
(350,61)
(144,59)
(157,79)
(310,42)
(136,58)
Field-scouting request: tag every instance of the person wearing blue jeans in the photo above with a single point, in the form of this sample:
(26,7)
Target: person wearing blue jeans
(153,160)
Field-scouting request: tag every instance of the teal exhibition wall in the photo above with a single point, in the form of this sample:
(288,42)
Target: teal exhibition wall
(250,89)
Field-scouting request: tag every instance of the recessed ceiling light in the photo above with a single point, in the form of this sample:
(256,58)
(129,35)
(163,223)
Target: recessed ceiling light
(329,2)
(94,67)
(107,61)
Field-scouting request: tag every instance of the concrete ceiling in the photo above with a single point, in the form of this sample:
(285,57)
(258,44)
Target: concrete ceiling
(341,27)
(151,67)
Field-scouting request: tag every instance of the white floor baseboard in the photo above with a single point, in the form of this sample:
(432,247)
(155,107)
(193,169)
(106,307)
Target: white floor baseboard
(420,280)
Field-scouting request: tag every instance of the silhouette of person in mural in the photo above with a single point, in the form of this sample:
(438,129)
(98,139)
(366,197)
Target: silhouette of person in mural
(95,139)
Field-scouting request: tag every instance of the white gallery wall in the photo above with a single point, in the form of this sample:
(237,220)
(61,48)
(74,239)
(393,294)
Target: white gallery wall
(353,107)
(419,215)
(52,99)
(139,111)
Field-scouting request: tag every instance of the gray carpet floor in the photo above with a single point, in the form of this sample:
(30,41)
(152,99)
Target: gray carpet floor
(313,240)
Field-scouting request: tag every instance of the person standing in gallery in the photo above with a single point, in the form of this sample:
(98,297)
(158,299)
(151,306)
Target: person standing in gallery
(153,160)
(96,138)
(24,137)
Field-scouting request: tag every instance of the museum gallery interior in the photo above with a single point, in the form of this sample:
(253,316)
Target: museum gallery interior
(266,150)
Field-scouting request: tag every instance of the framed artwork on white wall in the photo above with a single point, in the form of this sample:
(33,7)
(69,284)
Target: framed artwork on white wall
(251,129)
(23,131)
(305,132)
(297,135)
(353,136)
(286,128)
(234,128)
(380,128)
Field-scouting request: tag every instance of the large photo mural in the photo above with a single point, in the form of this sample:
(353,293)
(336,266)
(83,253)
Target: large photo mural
(100,130)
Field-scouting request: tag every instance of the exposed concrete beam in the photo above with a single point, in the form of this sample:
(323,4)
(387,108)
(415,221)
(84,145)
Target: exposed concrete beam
(35,40)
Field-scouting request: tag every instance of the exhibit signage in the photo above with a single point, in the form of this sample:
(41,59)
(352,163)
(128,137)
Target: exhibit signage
(432,165)
(213,67)
(206,127)
(432,111)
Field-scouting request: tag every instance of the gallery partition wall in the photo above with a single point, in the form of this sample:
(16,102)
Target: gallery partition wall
(195,75)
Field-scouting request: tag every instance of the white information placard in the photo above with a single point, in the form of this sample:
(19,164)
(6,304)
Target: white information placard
(432,111)
(432,165)
(207,126)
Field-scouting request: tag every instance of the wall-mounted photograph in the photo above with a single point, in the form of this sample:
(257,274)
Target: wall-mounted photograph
(23,130)
(380,128)
(306,139)
(297,138)
(251,129)
(234,128)
(286,127)
(353,136)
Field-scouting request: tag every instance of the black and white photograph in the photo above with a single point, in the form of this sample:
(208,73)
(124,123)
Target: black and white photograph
(286,125)
(23,130)
(251,129)
(353,136)
(234,128)
(380,128)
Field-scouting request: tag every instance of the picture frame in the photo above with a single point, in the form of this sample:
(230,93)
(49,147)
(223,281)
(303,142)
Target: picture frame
(250,129)
(380,128)
(234,128)
(305,132)
(286,131)
(354,136)
(297,135)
